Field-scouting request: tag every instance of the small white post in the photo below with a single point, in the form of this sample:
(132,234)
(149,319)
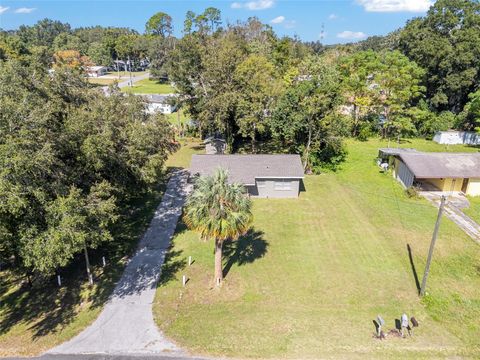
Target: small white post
(184,280)
(103,261)
(189,260)
(59,280)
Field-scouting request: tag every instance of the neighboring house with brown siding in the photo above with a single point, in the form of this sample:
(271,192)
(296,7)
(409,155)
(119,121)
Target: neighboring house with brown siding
(449,172)
(265,176)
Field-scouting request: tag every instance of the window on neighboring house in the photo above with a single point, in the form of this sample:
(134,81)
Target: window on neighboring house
(283,185)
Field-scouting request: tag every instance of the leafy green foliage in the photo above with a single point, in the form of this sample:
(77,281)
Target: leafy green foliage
(68,157)
(469,118)
(305,120)
(159,24)
(447,44)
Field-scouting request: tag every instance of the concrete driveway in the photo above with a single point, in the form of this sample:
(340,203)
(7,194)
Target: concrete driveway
(455,202)
(126,324)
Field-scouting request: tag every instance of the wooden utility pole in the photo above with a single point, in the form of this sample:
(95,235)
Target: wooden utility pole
(432,246)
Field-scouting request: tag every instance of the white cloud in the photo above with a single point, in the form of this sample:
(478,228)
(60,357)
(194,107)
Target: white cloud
(278,20)
(254,5)
(396,5)
(351,35)
(3,9)
(332,17)
(24,10)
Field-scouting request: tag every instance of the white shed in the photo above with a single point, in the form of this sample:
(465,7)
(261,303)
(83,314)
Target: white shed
(457,137)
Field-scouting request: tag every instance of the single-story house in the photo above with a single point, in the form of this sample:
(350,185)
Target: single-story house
(96,71)
(265,176)
(448,172)
(457,137)
(160,103)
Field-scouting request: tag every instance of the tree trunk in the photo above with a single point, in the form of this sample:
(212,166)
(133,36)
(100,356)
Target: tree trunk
(87,262)
(307,150)
(355,121)
(218,263)
(253,138)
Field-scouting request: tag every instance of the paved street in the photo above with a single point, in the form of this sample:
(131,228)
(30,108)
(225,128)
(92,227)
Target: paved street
(107,357)
(126,83)
(126,324)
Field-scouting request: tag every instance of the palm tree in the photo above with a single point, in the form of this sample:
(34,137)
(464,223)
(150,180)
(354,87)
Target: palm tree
(219,211)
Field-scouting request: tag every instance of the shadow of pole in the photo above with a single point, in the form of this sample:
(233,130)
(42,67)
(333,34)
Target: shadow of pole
(412,264)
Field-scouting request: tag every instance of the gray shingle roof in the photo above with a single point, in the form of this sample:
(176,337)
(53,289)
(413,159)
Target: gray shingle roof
(395,151)
(158,98)
(442,165)
(245,168)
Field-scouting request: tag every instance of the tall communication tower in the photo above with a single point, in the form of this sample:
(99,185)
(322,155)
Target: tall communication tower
(322,32)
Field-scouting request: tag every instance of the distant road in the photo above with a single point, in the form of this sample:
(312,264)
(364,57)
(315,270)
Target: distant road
(106,357)
(126,83)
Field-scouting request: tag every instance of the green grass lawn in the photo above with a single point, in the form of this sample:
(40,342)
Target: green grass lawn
(33,320)
(178,117)
(101,81)
(181,158)
(148,86)
(474,210)
(315,271)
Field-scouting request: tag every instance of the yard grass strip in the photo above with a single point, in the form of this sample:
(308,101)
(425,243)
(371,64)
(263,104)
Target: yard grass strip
(315,271)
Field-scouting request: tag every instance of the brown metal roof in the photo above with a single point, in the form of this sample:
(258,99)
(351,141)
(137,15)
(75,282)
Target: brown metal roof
(442,165)
(245,168)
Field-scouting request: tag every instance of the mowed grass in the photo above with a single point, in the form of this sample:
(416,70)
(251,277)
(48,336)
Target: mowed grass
(474,210)
(102,81)
(177,118)
(148,86)
(33,320)
(315,271)
(181,158)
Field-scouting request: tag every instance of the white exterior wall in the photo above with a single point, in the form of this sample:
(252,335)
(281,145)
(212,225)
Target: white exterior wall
(457,137)
(275,188)
(162,108)
(404,175)
(473,188)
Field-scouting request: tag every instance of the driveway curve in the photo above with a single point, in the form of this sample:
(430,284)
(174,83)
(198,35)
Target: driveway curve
(126,325)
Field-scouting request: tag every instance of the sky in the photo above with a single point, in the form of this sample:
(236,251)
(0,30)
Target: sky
(341,20)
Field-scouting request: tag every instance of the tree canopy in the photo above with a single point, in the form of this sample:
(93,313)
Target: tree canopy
(68,157)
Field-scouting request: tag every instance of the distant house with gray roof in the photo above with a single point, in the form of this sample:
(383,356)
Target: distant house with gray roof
(162,103)
(437,171)
(265,176)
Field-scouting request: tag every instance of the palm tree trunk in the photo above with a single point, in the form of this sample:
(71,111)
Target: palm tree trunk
(218,262)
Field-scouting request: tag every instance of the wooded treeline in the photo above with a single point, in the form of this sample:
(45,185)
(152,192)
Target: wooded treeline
(265,93)
(68,157)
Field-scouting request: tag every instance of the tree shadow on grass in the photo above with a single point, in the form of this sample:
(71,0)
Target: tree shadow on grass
(245,250)
(46,308)
(172,265)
